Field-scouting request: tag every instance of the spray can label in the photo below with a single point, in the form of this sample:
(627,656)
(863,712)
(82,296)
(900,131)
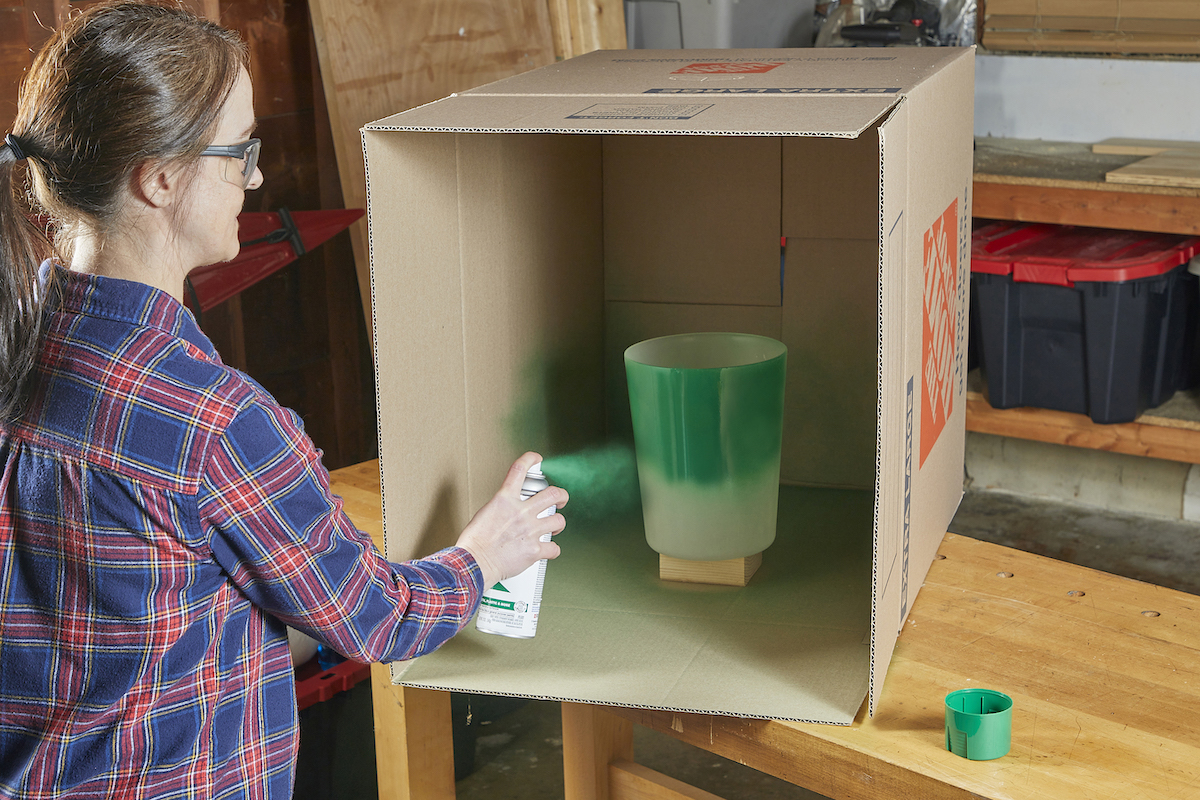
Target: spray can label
(511,606)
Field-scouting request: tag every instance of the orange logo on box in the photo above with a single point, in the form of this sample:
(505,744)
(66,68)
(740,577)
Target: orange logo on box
(938,328)
(728,68)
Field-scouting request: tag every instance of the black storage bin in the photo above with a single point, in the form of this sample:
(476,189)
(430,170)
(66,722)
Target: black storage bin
(1094,321)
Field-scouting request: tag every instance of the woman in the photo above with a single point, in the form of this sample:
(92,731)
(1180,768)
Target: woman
(161,517)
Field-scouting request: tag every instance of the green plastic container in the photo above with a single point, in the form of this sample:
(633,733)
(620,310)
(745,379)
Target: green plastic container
(707,414)
(978,723)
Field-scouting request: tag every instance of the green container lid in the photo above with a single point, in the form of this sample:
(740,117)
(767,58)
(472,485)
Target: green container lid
(978,723)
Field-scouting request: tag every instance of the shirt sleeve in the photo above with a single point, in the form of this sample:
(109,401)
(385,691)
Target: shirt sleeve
(285,541)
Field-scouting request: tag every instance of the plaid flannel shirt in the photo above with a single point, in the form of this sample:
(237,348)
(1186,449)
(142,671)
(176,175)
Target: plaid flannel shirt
(161,518)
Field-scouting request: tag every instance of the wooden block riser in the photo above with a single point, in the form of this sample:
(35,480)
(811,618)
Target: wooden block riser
(731,572)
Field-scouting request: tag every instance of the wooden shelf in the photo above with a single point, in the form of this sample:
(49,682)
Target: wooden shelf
(1156,437)
(1063,183)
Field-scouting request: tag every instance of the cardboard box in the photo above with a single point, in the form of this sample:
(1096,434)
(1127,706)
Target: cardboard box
(524,233)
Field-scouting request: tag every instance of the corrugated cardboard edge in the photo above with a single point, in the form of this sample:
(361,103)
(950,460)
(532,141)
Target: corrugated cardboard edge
(383,125)
(879,666)
(362,134)
(879,423)
(375,349)
(553,698)
(609,132)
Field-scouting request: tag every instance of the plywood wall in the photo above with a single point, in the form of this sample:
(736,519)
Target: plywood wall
(380,57)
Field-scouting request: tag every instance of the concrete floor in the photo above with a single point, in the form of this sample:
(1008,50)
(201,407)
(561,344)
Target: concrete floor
(518,752)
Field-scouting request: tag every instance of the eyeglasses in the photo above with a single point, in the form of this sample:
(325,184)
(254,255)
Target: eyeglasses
(245,153)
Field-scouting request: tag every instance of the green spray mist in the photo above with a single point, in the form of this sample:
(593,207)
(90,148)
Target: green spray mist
(602,481)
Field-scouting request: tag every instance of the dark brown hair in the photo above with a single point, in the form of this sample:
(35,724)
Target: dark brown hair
(122,84)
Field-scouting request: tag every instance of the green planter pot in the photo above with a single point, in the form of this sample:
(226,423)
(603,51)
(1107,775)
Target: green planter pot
(707,414)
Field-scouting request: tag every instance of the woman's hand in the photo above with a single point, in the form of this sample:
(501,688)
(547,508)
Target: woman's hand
(504,535)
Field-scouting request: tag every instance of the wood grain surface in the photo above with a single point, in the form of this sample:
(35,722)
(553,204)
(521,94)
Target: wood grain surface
(729,572)
(1156,437)
(1169,168)
(1104,672)
(1141,147)
(1064,183)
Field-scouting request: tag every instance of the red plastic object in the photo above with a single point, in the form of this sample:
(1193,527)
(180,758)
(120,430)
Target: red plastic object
(1063,254)
(316,686)
(270,241)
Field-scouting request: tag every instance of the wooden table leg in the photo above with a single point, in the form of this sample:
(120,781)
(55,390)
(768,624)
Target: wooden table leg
(414,740)
(592,739)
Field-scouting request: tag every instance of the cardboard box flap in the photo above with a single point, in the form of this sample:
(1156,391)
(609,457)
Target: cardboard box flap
(889,572)
(797,92)
(832,73)
(685,114)
(925,220)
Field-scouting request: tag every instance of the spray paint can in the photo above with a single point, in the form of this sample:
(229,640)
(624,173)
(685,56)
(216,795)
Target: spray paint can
(510,608)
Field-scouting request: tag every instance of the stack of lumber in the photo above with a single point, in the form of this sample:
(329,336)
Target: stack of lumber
(1121,27)
(1165,163)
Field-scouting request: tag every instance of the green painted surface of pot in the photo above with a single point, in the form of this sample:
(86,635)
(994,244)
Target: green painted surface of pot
(707,414)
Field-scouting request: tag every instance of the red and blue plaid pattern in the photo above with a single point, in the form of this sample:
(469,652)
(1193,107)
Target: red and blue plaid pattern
(161,518)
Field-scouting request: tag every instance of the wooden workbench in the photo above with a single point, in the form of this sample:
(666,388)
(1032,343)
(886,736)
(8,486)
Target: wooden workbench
(1104,672)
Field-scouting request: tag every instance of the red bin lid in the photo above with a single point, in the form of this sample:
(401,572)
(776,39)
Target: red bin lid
(1064,254)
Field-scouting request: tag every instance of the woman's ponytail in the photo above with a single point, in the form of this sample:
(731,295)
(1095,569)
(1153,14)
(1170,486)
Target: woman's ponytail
(22,248)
